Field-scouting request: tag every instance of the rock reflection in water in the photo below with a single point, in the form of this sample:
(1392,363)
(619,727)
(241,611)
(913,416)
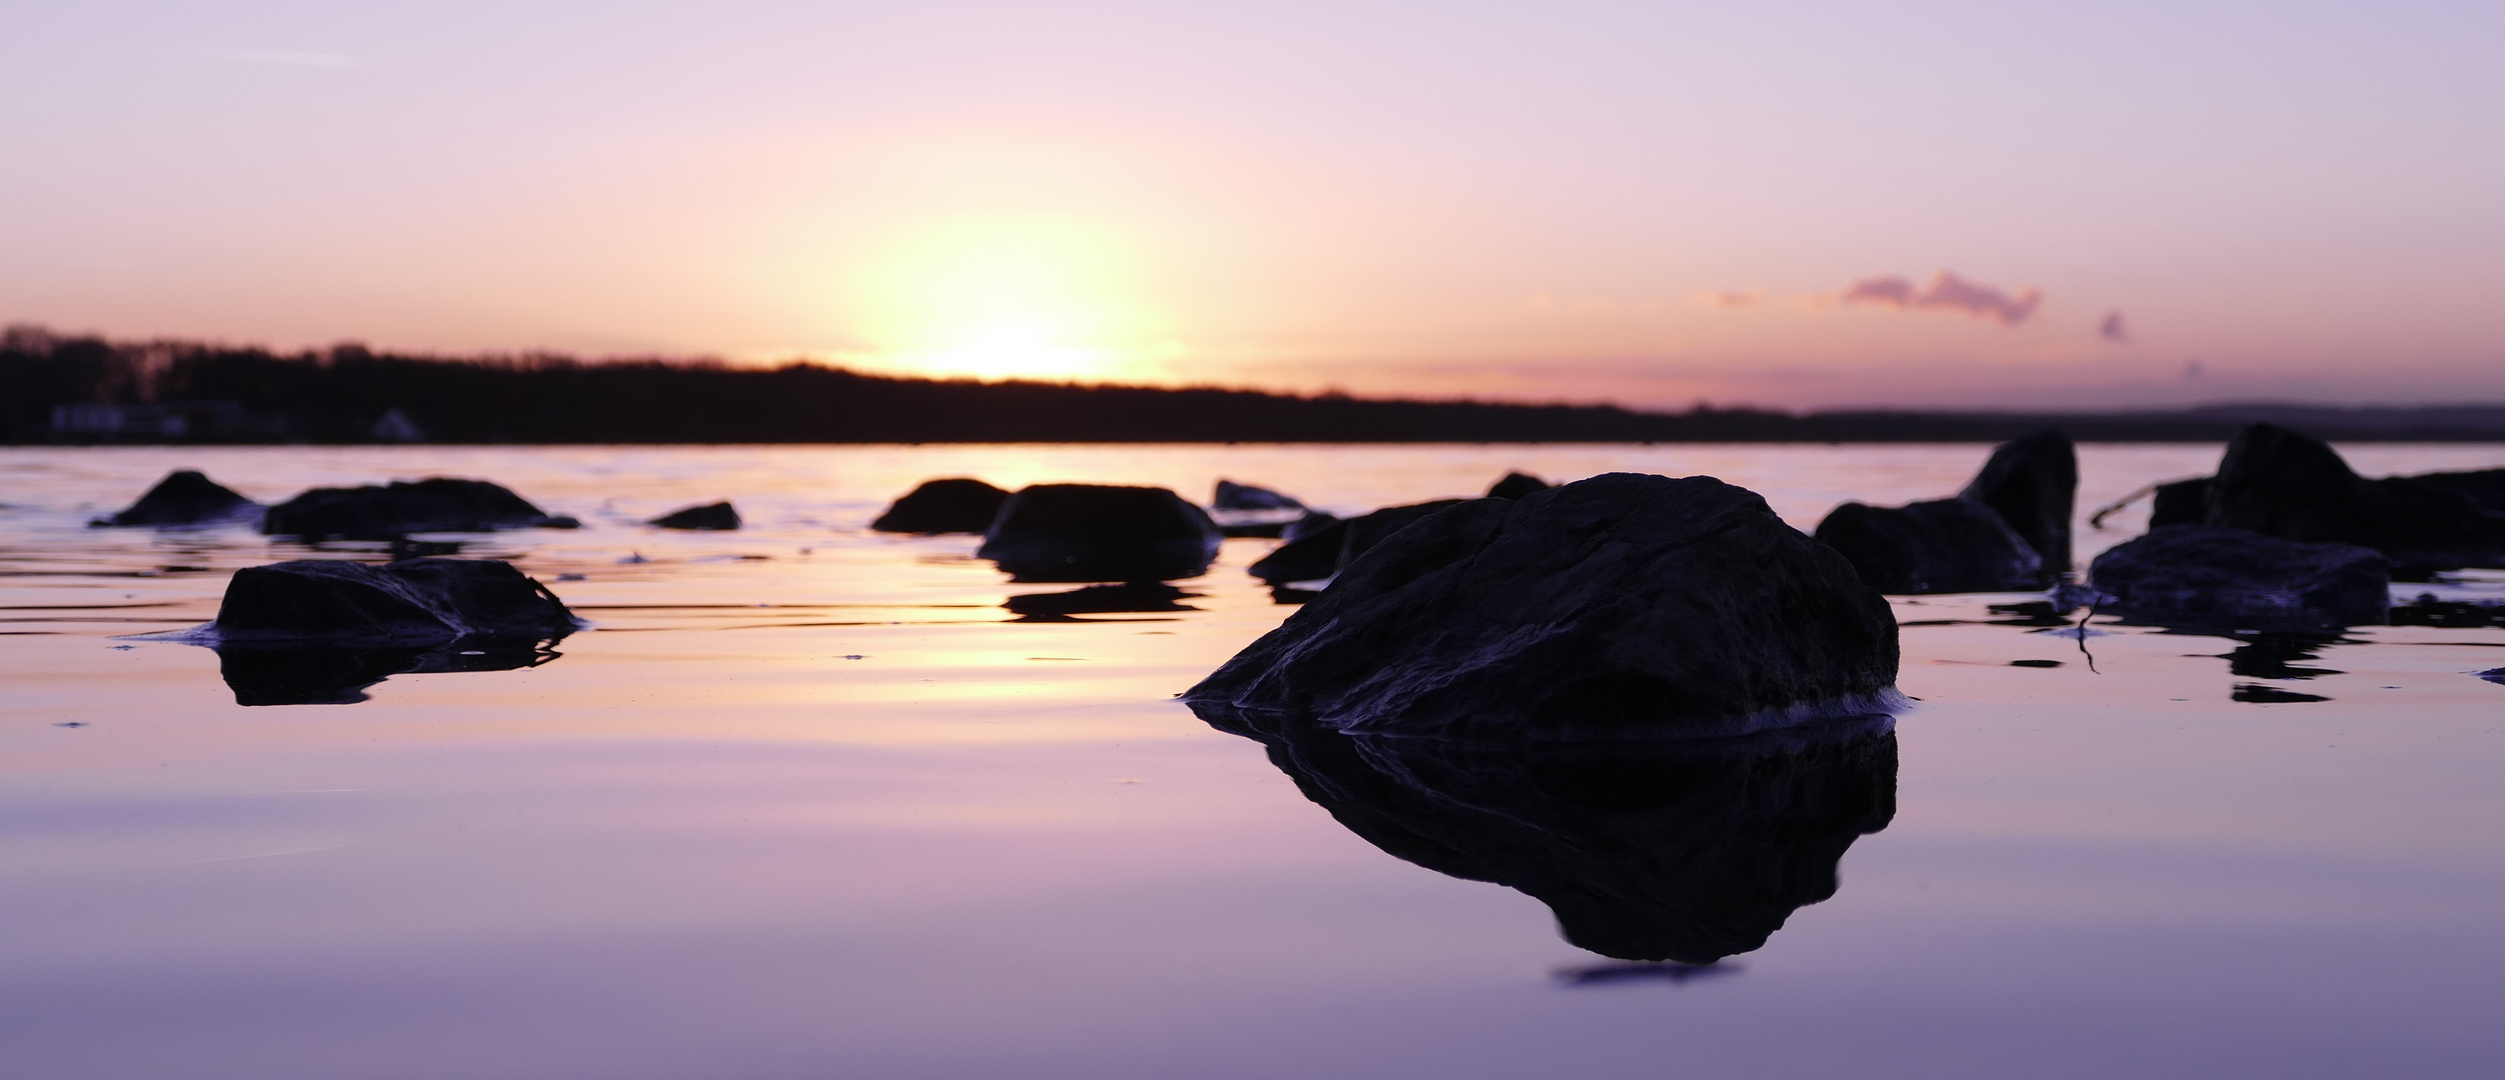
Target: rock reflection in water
(1685,851)
(1137,596)
(305,674)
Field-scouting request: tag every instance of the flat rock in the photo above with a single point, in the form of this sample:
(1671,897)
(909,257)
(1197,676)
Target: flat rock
(384,512)
(1686,851)
(2211,576)
(952,505)
(1233,496)
(416,602)
(1946,545)
(1097,532)
(1516,485)
(2033,484)
(2281,483)
(1621,607)
(714,517)
(184,497)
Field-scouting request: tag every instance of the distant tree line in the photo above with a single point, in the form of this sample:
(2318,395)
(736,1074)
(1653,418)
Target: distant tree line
(338,395)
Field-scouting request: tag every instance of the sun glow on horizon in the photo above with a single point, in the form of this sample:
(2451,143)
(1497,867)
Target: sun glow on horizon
(1004,298)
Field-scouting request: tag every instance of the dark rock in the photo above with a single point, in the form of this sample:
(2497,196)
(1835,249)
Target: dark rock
(1135,596)
(2485,487)
(1688,851)
(956,505)
(2494,675)
(184,497)
(1516,485)
(2183,502)
(2277,482)
(2033,484)
(2207,576)
(718,517)
(1947,545)
(1324,551)
(1095,532)
(414,602)
(1623,606)
(1313,522)
(438,504)
(1234,496)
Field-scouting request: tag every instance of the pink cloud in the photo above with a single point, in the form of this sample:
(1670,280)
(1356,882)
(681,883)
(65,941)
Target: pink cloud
(2113,330)
(1949,291)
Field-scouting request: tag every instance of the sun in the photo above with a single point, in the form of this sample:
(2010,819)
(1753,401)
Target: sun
(1002,299)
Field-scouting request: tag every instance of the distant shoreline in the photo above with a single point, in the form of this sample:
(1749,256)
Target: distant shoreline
(90,391)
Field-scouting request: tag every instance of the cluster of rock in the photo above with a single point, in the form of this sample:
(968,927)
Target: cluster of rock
(2008,531)
(390,512)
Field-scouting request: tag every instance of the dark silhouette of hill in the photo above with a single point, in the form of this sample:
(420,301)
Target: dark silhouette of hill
(183,391)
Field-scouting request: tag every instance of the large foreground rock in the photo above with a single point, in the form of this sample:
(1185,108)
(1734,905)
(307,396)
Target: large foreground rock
(2281,483)
(436,504)
(711,517)
(2205,576)
(2033,484)
(1947,545)
(1095,532)
(184,497)
(953,505)
(410,602)
(1687,851)
(1619,607)
(1331,545)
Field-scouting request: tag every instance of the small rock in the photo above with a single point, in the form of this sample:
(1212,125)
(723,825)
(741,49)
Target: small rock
(1947,545)
(716,517)
(1623,606)
(2209,576)
(184,497)
(954,505)
(410,602)
(1322,549)
(1233,496)
(1096,532)
(437,504)
(1516,485)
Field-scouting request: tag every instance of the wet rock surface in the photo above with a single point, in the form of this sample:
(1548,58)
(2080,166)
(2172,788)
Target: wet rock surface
(2206,575)
(1620,607)
(952,505)
(2033,484)
(1096,532)
(712,517)
(1688,851)
(415,602)
(385,512)
(1946,545)
(184,497)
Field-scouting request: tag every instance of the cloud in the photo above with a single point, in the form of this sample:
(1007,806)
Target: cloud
(1947,291)
(2113,330)
(1729,298)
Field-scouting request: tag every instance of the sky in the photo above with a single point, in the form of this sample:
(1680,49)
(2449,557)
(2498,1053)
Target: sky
(1792,205)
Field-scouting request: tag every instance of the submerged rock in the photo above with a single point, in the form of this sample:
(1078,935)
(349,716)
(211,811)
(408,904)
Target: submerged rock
(953,505)
(1516,485)
(717,517)
(410,602)
(2209,576)
(1096,532)
(2033,484)
(1946,545)
(1688,851)
(184,497)
(1233,496)
(437,504)
(1619,607)
(2281,483)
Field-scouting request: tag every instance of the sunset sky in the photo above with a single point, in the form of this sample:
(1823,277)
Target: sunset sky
(1801,204)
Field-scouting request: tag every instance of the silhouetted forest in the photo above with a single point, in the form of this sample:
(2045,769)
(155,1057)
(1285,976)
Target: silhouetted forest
(349,394)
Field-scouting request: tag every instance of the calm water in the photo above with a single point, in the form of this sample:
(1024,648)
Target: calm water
(807,802)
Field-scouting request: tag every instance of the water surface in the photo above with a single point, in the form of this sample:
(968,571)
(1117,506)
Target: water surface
(809,801)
